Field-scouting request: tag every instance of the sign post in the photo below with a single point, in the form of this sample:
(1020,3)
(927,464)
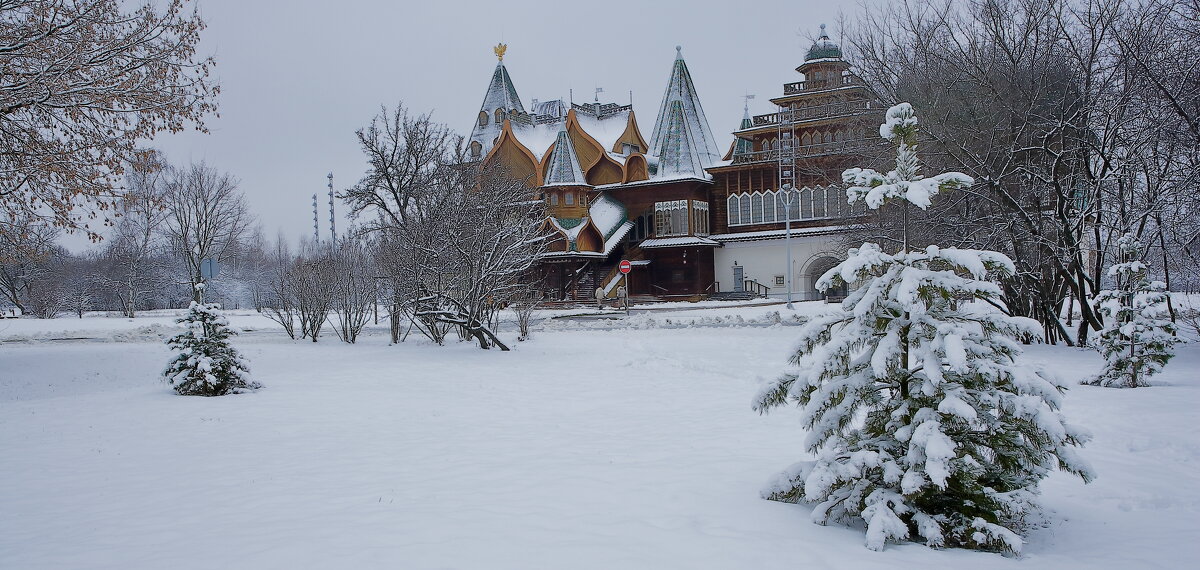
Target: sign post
(625,268)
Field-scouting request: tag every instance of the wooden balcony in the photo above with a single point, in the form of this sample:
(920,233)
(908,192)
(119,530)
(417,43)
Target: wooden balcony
(798,87)
(833,110)
(858,146)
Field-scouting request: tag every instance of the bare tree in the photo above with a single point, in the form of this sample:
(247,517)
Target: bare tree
(457,242)
(353,288)
(396,199)
(81,283)
(406,156)
(27,256)
(256,268)
(208,217)
(312,281)
(280,304)
(494,236)
(523,304)
(81,84)
(133,254)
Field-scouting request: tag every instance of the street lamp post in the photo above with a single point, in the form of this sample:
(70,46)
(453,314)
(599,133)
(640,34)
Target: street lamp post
(787,214)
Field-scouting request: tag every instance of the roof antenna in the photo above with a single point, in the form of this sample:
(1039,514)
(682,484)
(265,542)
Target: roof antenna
(599,90)
(747,97)
(631,97)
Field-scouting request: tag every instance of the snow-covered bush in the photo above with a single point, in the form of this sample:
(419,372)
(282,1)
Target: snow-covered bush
(1137,339)
(920,419)
(206,364)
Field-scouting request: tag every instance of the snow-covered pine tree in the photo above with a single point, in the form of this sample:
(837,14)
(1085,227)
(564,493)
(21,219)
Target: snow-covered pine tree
(1137,339)
(207,365)
(920,419)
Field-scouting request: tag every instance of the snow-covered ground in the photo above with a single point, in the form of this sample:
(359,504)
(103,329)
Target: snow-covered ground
(600,443)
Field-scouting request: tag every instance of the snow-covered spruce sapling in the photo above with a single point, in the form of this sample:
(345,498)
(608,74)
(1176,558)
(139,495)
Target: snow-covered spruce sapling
(920,419)
(1138,338)
(207,365)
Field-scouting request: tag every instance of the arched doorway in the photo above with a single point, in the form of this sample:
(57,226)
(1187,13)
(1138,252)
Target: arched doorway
(816,268)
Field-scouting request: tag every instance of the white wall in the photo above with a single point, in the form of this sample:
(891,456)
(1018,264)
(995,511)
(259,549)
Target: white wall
(765,259)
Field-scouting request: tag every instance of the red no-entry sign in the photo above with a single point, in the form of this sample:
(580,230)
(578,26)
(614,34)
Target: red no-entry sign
(625,266)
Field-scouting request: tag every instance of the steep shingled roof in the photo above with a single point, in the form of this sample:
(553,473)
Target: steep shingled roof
(563,167)
(677,155)
(501,94)
(690,128)
(741,145)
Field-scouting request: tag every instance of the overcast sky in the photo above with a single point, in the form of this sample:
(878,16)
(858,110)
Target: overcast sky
(298,77)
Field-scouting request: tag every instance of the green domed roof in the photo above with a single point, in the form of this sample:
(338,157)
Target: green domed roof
(823,48)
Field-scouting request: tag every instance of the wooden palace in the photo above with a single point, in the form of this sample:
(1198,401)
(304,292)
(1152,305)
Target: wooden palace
(693,220)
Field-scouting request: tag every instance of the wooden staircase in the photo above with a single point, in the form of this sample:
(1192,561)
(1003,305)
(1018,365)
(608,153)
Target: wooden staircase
(612,277)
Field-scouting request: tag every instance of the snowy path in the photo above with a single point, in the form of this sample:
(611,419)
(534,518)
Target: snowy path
(579,449)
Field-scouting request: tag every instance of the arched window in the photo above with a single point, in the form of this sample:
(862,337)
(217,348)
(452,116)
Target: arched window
(756,208)
(818,202)
(553,198)
(837,202)
(769,206)
(827,137)
(476,148)
(569,198)
(733,208)
(806,198)
(839,136)
(745,209)
(806,139)
(483,118)
(499,116)
(781,211)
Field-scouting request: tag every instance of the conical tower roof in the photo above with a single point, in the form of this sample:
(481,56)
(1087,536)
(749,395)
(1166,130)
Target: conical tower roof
(563,167)
(501,95)
(741,145)
(677,154)
(681,94)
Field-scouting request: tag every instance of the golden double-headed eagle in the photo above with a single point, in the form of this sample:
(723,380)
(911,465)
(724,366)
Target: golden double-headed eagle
(500,49)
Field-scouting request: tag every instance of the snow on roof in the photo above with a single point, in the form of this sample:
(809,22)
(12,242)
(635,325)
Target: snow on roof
(554,108)
(823,48)
(702,177)
(563,168)
(611,243)
(573,254)
(501,94)
(606,131)
(677,242)
(607,214)
(677,152)
(776,234)
(681,90)
(538,138)
(571,232)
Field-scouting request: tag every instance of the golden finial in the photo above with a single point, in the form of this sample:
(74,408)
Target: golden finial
(499,49)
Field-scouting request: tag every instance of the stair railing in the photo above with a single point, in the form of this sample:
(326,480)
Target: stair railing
(757,288)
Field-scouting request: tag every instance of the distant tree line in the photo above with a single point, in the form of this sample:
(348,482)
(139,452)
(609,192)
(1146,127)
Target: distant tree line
(168,219)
